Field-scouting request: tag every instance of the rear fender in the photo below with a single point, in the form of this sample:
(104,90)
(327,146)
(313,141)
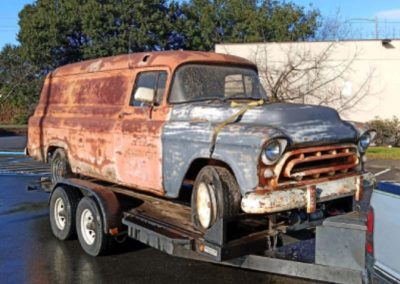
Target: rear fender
(55,144)
(107,201)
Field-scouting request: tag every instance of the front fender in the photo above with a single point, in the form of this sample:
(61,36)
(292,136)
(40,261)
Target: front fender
(238,146)
(359,127)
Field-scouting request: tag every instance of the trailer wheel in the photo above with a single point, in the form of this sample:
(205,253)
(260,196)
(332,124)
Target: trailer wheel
(63,204)
(60,167)
(90,228)
(215,195)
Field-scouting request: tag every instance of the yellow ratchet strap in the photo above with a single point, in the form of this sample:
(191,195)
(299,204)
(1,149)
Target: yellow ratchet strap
(231,119)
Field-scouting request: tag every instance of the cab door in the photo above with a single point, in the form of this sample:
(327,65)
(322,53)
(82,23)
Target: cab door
(138,145)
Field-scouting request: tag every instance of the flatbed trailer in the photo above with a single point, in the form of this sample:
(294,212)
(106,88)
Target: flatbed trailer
(166,225)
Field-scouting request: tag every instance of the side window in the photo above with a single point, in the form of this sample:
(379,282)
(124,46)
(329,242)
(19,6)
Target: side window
(161,82)
(238,85)
(154,80)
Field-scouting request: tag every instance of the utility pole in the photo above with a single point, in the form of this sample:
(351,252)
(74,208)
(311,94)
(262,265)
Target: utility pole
(376,28)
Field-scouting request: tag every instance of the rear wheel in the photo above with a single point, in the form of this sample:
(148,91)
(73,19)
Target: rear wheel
(60,167)
(63,204)
(215,195)
(90,228)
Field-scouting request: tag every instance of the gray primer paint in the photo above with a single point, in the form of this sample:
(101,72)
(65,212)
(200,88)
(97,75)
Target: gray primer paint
(187,136)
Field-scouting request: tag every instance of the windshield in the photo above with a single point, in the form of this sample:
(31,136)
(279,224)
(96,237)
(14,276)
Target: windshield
(195,82)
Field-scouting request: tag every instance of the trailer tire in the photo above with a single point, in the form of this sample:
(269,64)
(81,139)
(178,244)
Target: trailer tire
(60,167)
(215,195)
(90,228)
(63,204)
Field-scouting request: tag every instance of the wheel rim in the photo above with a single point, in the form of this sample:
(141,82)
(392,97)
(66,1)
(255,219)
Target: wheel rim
(59,213)
(205,205)
(88,227)
(58,169)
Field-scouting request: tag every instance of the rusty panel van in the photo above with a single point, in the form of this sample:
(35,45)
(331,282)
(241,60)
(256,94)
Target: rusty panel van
(163,122)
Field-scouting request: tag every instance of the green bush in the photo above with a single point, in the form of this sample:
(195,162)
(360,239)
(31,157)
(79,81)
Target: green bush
(387,131)
(12,113)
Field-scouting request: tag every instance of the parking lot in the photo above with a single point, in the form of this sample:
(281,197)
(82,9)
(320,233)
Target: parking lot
(30,254)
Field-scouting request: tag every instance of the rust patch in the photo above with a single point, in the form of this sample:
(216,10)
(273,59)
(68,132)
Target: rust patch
(80,111)
(311,198)
(170,59)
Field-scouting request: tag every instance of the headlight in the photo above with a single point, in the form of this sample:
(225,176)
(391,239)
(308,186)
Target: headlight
(273,151)
(365,141)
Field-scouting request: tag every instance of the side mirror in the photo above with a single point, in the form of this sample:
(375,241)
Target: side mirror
(145,95)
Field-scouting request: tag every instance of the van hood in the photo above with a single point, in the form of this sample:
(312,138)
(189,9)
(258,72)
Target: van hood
(300,124)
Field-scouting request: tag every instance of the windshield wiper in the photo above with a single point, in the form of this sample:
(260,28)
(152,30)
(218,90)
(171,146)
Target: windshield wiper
(213,99)
(242,98)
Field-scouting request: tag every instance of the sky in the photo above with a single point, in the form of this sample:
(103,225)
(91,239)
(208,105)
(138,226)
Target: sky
(387,11)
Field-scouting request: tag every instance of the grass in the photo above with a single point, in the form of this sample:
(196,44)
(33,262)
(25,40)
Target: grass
(13,126)
(384,153)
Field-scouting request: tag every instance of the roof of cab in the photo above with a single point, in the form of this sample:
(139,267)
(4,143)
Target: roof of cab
(171,59)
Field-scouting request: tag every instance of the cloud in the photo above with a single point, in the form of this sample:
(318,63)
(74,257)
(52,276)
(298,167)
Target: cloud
(389,14)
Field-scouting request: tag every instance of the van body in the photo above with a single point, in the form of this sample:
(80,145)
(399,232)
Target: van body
(205,109)
(85,109)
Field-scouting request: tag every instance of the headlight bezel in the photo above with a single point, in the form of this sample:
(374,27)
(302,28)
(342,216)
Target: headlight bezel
(281,146)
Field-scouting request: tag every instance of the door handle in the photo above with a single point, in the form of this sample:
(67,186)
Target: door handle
(122,114)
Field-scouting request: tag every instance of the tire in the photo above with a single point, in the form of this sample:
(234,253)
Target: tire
(60,167)
(63,204)
(90,228)
(215,195)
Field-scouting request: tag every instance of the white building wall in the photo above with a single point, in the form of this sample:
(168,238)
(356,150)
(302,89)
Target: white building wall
(367,57)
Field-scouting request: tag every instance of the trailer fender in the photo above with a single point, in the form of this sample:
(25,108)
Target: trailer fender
(107,201)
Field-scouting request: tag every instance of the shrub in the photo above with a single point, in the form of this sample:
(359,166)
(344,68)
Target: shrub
(387,131)
(14,113)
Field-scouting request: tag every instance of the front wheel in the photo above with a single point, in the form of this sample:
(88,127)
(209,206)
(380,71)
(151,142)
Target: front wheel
(215,195)
(90,228)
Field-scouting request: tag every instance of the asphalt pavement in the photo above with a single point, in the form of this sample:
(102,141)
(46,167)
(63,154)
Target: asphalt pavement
(12,143)
(30,254)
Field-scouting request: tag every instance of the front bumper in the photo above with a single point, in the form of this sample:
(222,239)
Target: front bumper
(272,201)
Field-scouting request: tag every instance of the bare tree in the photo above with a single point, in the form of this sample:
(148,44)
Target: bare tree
(302,74)
(321,72)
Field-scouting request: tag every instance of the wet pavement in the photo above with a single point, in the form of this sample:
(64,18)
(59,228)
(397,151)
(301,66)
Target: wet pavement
(10,143)
(13,163)
(30,254)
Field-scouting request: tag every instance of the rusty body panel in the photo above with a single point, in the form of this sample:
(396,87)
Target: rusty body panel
(85,109)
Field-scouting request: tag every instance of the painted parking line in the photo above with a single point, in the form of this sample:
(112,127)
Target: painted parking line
(6,153)
(383,172)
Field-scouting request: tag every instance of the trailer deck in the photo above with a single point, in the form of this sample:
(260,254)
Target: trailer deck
(166,225)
